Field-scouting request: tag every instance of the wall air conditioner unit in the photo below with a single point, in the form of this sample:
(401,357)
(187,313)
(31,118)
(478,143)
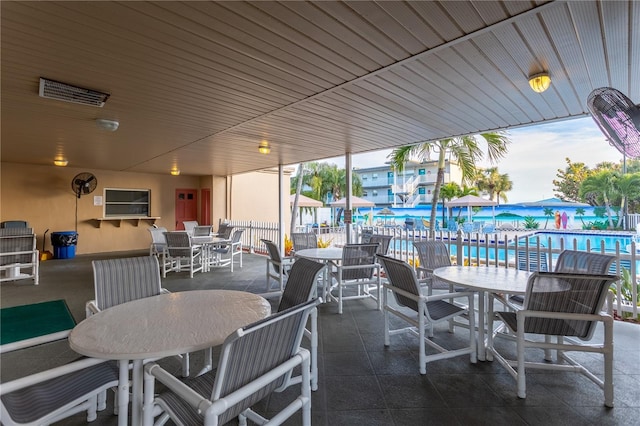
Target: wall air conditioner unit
(52,89)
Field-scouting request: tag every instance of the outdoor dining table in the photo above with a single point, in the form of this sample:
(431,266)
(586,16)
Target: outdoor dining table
(209,243)
(484,279)
(161,326)
(326,255)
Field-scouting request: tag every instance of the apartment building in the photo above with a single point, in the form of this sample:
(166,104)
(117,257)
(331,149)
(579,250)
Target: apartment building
(409,188)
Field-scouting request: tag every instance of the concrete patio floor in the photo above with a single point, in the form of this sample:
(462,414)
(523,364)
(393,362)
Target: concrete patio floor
(360,381)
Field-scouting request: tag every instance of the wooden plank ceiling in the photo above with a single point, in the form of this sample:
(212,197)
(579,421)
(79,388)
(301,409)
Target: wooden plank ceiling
(199,85)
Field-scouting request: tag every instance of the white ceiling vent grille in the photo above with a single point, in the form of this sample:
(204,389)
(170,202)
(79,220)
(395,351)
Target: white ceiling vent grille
(52,89)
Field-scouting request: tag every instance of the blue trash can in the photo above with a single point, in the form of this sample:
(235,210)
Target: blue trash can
(64,244)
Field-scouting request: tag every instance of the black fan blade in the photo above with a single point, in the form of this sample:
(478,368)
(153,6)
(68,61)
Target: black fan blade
(91,178)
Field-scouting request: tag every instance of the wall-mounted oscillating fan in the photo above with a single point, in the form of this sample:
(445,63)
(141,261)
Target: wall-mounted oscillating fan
(84,183)
(618,118)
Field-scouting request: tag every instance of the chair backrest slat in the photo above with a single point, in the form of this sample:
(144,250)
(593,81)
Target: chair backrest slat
(304,240)
(382,240)
(565,293)
(118,281)
(255,350)
(432,254)
(202,231)
(401,275)
(359,255)
(580,262)
(303,277)
(178,243)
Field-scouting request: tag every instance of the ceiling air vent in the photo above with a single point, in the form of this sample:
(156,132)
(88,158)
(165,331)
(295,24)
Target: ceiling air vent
(52,89)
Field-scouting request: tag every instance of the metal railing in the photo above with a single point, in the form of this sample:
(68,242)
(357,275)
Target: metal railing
(501,249)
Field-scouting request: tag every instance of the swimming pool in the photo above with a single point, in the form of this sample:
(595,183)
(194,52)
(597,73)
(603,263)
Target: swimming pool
(583,241)
(549,242)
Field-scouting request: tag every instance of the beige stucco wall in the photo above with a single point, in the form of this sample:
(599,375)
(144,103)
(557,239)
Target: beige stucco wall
(261,204)
(42,196)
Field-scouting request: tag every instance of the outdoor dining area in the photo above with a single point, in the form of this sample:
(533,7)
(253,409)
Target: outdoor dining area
(360,337)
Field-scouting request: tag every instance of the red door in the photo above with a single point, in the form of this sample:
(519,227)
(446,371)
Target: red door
(186,206)
(205,207)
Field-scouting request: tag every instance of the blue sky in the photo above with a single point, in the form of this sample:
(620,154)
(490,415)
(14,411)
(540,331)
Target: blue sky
(535,155)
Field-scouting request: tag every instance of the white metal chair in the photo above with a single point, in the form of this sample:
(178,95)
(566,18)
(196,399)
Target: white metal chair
(158,241)
(202,231)
(383,240)
(423,312)
(432,255)
(189,226)
(231,249)
(255,361)
(302,287)
(118,281)
(55,394)
(277,267)
(304,240)
(181,254)
(224,230)
(358,268)
(567,306)
(18,252)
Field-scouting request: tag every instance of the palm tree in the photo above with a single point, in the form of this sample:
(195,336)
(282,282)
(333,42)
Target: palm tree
(466,151)
(294,208)
(494,184)
(448,192)
(548,212)
(503,185)
(628,187)
(600,185)
(579,212)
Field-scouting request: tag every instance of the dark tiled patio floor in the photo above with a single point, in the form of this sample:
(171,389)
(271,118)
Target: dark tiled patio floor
(361,381)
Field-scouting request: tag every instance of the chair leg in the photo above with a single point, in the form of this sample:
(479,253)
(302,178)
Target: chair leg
(520,377)
(421,336)
(314,349)
(91,410)
(387,341)
(608,362)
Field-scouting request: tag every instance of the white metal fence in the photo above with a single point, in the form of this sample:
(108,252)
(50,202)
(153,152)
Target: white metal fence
(499,249)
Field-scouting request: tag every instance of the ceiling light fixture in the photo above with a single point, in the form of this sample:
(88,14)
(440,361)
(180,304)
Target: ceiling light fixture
(175,172)
(264,148)
(540,82)
(61,162)
(110,125)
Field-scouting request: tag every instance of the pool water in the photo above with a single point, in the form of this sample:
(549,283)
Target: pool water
(583,241)
(610,242)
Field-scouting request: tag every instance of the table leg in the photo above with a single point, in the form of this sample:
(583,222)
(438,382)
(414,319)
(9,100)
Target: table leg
(136,392)
(481,326)
(123,393)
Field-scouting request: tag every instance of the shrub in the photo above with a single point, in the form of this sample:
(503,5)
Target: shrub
(530,223)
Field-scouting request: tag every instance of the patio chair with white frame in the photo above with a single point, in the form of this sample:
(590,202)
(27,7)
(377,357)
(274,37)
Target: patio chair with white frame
(181,254)
(122,280)
(277,266)
(567,306)
(231,249)
(255,361)
(358,268)
(423,312)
